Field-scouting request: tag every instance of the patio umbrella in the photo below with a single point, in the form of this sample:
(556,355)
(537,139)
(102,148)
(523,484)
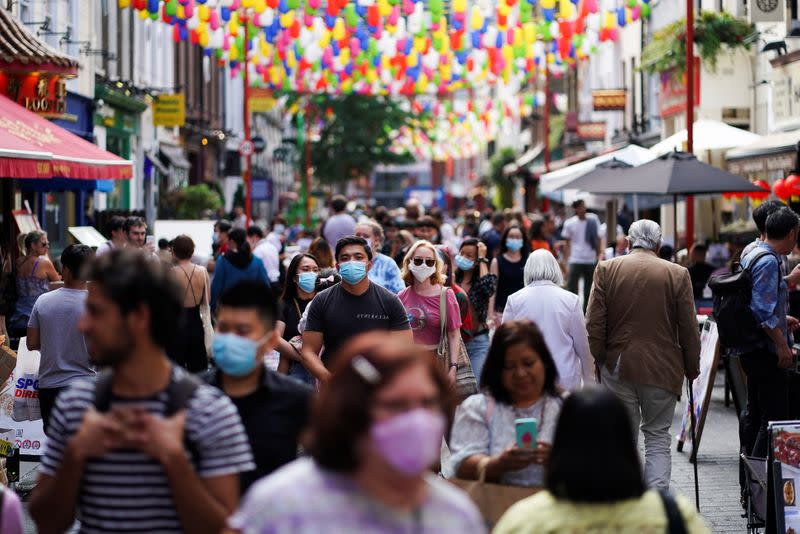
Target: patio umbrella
(674,173)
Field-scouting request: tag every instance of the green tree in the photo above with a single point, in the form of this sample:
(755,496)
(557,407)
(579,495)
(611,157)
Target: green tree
(355,134)
(191,202)
(504,192)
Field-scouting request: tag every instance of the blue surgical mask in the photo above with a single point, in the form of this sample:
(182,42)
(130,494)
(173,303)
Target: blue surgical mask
(235,355)
(353,271)
(463,263)
(307,281)
(514,244)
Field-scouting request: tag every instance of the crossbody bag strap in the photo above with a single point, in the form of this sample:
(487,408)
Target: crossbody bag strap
(442,347)
(675,522)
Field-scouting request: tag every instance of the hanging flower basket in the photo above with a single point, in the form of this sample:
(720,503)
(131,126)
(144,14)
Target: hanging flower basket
(714,34)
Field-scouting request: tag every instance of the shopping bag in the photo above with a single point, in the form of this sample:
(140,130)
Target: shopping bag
(492,499)
(466,384)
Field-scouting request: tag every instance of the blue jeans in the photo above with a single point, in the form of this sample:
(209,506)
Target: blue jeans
(298,372)
(477,348)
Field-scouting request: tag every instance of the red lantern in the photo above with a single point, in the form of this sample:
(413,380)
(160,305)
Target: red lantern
(780,190)
(792,183)
(763,195)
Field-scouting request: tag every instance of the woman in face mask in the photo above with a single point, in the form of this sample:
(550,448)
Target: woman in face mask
(422,271)
(301,280)
(508,267)
(472,274)
(375,431)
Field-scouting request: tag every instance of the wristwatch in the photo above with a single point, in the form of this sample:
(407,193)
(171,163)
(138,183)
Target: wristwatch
(483,260)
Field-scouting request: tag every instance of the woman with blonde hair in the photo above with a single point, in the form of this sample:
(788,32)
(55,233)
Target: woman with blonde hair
(423,271)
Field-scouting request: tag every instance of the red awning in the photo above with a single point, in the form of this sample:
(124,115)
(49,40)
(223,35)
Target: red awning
(33,147)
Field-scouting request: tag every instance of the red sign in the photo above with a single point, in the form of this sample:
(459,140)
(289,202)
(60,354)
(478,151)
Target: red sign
(672,96)
(591,131)
(43,94)
(247,148)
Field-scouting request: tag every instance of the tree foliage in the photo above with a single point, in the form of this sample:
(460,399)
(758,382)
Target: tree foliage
(504,196)
(192,201)
(355,134)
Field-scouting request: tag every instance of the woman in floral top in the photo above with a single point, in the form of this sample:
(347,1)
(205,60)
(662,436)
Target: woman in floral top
(472,274)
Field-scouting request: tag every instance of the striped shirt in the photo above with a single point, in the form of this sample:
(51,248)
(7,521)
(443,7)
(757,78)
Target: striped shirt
(128,491)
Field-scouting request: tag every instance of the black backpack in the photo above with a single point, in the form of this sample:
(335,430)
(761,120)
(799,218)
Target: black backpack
(179,392)
(737,327)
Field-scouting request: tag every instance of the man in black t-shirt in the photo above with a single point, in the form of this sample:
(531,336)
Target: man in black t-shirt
(273,407)
(352,307)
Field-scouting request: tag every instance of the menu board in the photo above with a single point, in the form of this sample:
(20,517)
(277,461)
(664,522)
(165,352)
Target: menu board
(702,387)
(785,475)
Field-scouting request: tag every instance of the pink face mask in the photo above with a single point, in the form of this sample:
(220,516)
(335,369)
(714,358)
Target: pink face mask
(410,442)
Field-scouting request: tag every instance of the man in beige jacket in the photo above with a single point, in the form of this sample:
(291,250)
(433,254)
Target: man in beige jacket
(644,336)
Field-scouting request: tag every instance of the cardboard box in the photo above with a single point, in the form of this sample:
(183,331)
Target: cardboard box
(8,361)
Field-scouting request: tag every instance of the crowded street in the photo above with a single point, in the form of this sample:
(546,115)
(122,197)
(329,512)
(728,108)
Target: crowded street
(395,266)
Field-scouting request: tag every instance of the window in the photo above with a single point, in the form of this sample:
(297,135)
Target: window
(25,10)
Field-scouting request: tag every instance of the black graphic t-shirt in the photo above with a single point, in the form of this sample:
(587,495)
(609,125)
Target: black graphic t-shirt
(340,315)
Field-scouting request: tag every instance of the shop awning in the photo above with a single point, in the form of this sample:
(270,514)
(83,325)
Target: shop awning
(524,160)
(175,157)
(708,135)
(22,51)
(773,152)
(33,147)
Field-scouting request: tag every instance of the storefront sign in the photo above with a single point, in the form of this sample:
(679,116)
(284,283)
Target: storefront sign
(261,100)
(766,11)
(591,131)
(760,164)
(169,110)
(786,94)
(609,99)
(672,94)
(42,94)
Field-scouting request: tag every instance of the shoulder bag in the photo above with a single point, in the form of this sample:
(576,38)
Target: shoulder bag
(466,384)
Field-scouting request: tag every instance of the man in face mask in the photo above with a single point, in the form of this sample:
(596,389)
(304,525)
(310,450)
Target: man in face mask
(352,307)
(385,271)
(273,407)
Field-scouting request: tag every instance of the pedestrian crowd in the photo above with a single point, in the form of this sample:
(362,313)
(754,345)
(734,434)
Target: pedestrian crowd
(340,380)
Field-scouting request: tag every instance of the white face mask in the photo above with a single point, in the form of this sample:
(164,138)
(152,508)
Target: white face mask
(421,272)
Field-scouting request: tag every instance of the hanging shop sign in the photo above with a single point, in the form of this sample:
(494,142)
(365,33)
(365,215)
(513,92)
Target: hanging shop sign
(672,96)
(609,99)
(591,131)
(786,92)
(43,94)
(261,100)
(766,11)
(169,110)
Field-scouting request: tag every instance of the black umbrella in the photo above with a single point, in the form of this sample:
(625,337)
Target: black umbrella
(674,173)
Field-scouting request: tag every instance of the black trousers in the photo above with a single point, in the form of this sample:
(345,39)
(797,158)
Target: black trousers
(767,400)
(47,399)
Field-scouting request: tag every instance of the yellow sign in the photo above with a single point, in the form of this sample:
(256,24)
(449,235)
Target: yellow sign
(169,110)
(261,100)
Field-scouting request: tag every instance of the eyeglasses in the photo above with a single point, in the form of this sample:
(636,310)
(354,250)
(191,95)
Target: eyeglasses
(428,261)
(45,245)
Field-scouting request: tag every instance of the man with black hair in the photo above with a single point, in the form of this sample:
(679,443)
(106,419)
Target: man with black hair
(766,363)
(340,224)
(118,238)
(351,307)
(220,240)
(145,447)
(53,330)
(699,269)
(273,407)
(493,236)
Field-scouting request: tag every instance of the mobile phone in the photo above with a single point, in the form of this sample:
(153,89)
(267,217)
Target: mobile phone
(150,240)
(527,432)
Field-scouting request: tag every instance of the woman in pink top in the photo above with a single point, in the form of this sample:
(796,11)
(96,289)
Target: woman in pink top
(423,272)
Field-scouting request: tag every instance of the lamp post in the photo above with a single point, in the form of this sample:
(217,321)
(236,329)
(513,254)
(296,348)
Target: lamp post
(248,191)
(689,116)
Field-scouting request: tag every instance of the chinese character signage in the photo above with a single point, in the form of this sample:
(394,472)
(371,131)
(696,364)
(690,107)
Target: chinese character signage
(169,110)
(609,99)
(41,93)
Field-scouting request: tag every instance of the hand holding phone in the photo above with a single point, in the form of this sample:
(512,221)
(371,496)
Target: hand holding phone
(527,432)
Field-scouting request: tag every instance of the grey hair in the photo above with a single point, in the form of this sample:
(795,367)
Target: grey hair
(542,265)
(645,233)
(377,229)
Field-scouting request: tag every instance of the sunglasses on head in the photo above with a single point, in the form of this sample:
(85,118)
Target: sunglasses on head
(428,261)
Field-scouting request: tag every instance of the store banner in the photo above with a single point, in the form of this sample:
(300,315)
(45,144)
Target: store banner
(672,93)
(169,110)
(609,99)
(20,415)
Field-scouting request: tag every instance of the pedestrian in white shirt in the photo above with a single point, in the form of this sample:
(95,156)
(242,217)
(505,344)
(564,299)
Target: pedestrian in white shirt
(265,250)
(558,315)
(584,238)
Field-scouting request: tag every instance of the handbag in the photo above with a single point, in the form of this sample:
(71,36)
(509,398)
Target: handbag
(205,316)
(466,384)
(493,500)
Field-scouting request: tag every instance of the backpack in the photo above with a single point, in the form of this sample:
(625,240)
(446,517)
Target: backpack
(179,392)
(737,327)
